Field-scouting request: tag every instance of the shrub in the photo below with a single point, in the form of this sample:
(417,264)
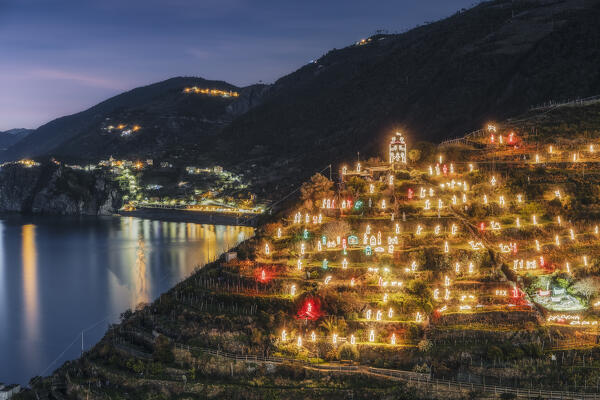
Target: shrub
(495,353)
(425,345)
(163,351)
(414,332)
(348,352)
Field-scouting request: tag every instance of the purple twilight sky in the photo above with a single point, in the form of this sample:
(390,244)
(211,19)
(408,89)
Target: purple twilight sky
(63,56)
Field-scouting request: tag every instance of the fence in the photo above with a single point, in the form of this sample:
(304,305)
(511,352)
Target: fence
(413,378)
(575,102)
(466,139)
(424,381)
(570,344)
(246,357)
(439,385)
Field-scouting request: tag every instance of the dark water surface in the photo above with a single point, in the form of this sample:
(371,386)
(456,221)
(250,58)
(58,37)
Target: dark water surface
(59,276)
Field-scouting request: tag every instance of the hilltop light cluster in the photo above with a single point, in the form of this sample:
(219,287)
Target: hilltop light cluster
(123,129)
(445,242)
(211,92)
(27,163)
(362,42)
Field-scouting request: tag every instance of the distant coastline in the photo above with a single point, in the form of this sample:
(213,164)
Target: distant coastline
(198,217)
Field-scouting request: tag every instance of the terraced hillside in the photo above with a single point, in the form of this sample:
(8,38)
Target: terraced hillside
(469,264)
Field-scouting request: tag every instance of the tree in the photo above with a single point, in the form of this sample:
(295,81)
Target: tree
(125,315)
(163,351)
(356,185)
(336,228)
(317,188)
(475,394)
(495,353)
(330,325)
(428,151)
(414,155)
(587,287)
(417,287)
(262,340)
(420,290)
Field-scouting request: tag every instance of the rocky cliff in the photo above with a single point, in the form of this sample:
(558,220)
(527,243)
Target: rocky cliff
(50,189)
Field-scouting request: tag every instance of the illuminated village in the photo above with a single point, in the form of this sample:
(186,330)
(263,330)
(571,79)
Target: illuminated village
(464,270)
(211,92)
(164,186)
(405,264)
(452,234)
(210,190)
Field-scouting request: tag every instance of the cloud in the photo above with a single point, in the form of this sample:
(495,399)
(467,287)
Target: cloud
(83,79)
(60,59)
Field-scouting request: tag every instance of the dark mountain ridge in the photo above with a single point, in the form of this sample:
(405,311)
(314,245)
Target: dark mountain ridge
(166,117)
(12,136)
(433,82)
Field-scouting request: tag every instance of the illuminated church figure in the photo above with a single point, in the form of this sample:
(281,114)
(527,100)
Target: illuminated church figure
(398,149)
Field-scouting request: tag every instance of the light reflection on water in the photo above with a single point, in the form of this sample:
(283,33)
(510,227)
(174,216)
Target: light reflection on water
(30,285)
(61,275)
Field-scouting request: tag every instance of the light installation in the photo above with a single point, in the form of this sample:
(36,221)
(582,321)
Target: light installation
(397,149)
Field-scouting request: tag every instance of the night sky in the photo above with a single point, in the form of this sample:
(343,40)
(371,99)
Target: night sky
(63,56)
